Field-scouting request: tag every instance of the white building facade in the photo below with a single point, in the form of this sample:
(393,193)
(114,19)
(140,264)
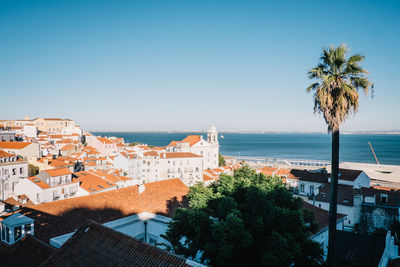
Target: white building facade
(11,170)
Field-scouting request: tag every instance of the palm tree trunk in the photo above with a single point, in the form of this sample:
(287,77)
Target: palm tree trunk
(333,198)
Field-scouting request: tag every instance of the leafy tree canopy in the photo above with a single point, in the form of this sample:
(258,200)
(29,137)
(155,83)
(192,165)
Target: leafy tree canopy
(245,220)
(134,144)
(221,160)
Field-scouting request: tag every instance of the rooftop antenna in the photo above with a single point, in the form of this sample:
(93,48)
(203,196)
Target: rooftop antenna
(377,162)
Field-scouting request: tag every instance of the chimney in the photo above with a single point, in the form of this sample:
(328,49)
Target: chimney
(141,188)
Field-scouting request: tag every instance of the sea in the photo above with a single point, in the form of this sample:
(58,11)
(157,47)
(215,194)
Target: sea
(304,146)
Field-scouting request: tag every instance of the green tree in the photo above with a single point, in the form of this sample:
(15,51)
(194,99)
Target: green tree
(134,144)
(221,160)
(245,220)
(338,80)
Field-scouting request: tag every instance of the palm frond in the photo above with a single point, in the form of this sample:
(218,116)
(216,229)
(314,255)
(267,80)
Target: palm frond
(338,81)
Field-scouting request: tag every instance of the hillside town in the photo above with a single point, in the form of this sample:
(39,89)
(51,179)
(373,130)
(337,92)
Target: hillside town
(64,189)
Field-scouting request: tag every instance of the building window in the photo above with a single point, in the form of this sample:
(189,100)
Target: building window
(311,189)
(28,228)
(17,232)
(14,171)
(384,198)
(302,188)
(7,234)
(21,170)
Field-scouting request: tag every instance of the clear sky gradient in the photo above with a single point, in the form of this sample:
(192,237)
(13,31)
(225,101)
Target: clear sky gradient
(185,65)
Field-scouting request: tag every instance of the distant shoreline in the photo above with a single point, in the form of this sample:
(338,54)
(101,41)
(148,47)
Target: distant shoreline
(258,132)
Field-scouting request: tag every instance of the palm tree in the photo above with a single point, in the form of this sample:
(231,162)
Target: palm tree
(338,81)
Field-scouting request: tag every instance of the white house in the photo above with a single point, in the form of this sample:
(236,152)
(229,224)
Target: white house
(27,150)
(11,170)
(354,178)
(306,183)
(105,146)
(49,185)
(130,163)
(166,165)
(30,130)
(208,149)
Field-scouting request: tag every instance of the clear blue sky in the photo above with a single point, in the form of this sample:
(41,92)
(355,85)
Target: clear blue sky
(184,65)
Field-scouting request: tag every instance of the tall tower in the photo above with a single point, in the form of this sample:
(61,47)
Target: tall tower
(212,136)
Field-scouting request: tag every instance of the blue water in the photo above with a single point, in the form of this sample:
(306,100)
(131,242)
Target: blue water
(353,147)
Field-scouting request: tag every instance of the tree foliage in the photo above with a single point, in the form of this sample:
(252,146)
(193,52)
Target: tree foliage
(221,160)
(338,80)
(245,220)
(134,144)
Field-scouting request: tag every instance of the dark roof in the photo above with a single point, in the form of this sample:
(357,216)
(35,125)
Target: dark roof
(348,175)
(304,175)
(346,195)
(321,216)
(96,245)
(29,251)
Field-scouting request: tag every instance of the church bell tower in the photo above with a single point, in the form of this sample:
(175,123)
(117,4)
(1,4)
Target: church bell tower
(212,136)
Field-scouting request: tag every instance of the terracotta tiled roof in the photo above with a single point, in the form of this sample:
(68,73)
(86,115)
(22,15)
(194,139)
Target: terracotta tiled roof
(14,145)
(158,148)
(97,245)
(191,139)
(169,155)
(207,177)
(60,163)
(11,201)
(150,154)
(4,154)
(58,172)
(93,183)
(38,182)
(104,140)
(64,216)
(67,147)
(56,136)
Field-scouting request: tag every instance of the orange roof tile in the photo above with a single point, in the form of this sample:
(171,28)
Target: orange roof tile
(64,216)
(58,172)
(150,153)
(104,140)
(191,139)
(93,183)
(169,155)
(14,145)
(38,182)
(4,154)
(67,147)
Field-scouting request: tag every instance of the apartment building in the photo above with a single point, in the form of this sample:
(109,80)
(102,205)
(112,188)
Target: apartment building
(166,165)
(49,185)
(11,170)
(207,149)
